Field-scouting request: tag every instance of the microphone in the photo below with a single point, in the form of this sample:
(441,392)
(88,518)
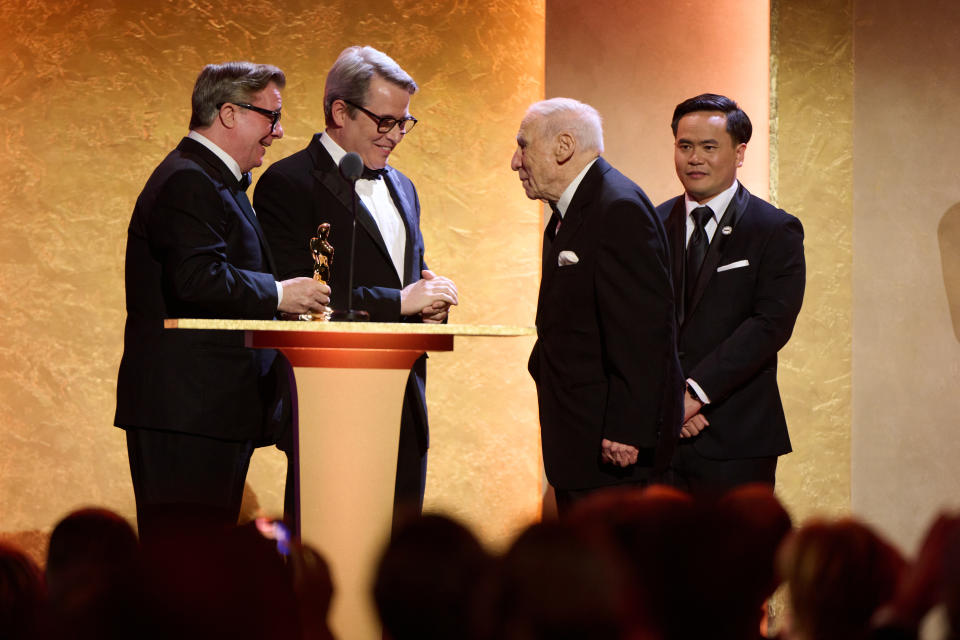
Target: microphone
(351,168)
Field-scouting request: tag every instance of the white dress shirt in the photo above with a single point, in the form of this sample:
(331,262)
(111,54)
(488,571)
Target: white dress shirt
(375,196)
(564,202)
(717,205)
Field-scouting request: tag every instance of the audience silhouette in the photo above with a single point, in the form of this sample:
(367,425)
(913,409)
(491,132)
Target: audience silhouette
(652,564)
(21,594)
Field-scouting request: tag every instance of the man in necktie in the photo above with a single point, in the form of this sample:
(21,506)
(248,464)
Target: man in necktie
(608,381)
(738,267)
(367,111)
(195,404)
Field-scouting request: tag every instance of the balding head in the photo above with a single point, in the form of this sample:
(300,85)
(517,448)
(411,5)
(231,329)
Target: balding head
(559,115)
(557,139)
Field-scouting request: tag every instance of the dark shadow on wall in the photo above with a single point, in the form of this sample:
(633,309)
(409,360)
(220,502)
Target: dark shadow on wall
(948,235)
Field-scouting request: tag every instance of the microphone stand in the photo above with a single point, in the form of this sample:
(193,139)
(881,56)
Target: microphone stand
(351,169)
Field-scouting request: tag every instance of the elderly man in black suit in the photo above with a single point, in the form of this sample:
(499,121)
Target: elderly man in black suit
(739,272)
(605,363)
(195,404)
(367,111)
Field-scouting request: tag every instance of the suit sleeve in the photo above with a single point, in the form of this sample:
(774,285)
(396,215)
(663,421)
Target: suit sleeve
(635,309)
(778,297)
(209,276)
(286,215)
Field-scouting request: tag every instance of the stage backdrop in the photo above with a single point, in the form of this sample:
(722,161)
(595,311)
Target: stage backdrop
(906,274)
(96,92)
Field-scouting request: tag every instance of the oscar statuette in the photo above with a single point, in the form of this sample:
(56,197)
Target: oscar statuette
(322,252)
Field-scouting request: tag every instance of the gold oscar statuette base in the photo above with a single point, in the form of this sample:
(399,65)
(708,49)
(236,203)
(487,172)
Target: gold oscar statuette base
(323,316)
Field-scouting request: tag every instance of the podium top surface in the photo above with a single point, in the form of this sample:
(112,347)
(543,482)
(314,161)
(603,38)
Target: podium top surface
(350,327)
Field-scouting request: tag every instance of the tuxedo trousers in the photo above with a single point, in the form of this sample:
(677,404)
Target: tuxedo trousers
(698,475)
(181,480)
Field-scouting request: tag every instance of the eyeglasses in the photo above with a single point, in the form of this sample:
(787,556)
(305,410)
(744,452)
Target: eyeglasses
(385,124)
(273,115)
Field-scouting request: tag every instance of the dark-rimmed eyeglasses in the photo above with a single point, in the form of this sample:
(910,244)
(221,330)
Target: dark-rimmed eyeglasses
(385,124)
(273,115)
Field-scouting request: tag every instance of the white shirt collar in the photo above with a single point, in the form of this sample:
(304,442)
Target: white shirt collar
(564,202)
(335,150)
(227,159)
(718,203)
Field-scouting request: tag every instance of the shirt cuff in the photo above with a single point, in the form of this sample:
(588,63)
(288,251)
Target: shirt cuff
(279,294)
(700,393)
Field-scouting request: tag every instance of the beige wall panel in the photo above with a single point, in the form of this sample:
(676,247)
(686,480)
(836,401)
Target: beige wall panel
(96,92)
(813,92)
(635,61)
(906,354)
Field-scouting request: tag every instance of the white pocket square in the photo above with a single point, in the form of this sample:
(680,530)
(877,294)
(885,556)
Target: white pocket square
(734,265)
(566,258)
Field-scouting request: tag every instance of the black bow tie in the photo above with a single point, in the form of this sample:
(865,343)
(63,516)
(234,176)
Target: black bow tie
(372,174)
(244,181)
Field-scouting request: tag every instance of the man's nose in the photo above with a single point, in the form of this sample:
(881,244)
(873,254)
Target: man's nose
(277,131)
(515,161)
(394,135)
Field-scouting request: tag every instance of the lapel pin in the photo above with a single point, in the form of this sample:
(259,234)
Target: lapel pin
(726,230)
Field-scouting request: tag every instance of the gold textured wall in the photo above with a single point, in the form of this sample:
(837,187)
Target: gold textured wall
(96,92)
(812,171)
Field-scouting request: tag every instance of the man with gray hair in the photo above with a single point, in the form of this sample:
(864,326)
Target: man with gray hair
(608,379)
(195,404)
(367,109)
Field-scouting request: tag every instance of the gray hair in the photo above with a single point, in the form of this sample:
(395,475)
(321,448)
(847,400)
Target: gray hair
(349,78)
(229,82)
(558,115)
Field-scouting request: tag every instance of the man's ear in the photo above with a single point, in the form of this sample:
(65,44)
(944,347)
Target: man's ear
(566,146)
(228,115)
(741,150)
(339,112)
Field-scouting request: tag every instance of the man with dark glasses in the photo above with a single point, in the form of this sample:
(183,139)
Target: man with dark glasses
(366,107)
(194,404)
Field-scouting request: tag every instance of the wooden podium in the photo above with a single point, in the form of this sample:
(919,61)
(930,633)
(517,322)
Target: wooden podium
(349,384)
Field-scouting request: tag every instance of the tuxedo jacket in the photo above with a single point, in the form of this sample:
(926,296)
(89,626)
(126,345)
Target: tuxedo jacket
(605,361)
(196,250)
(742,311)
(297,194)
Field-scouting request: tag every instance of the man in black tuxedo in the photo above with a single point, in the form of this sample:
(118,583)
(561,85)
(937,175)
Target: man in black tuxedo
(366,106)
(195,404)
(608,381)
(739,274)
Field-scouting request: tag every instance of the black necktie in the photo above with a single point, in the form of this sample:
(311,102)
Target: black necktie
(372,174)
(696,248)
(244,181)
(554,224)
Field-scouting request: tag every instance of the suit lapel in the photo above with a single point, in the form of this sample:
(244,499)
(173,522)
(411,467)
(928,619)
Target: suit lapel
(406,209)
(217,169)
(548,244)
(243,201)
(572,219)
(327,173)
(725,230)
(676,228)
